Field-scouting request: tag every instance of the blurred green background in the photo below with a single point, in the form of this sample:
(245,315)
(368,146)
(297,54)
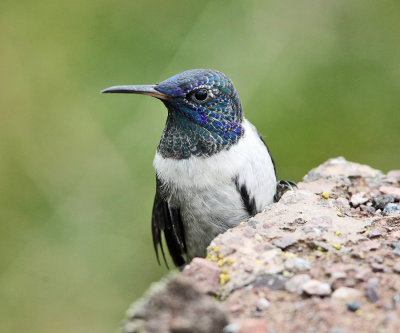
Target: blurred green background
(318,78)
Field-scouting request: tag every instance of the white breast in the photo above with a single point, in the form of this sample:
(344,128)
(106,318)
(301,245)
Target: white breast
(248,160)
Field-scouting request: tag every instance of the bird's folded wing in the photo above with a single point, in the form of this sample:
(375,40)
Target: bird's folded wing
(167,219)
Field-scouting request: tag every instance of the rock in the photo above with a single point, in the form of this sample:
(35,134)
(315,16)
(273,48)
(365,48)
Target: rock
(396,248)
(356,254)
(376,267)
(391,190)
(297,264)
(394,175)
(205,273)
(358,199)
(396,268)
(353,306)
(347,294)
(392,209)
(292,197)
(321,246)
(370,245)
(284,242)
(342,204)
(294,285)
(373,233)
(339,168)
(270,281)
(231,328)
(371,290)
(176,306)
(381,201)
(262,304)
(368,209)
(316,288)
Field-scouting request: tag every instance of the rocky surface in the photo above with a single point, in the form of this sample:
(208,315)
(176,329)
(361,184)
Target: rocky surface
(325,258)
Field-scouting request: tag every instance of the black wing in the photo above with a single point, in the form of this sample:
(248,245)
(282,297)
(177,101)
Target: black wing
(249,202)
(167,219)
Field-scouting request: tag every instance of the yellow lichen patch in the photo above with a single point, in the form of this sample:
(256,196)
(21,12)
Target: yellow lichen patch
(242,222)
(286,273)
(337,246)
(223,278)
(319,248)
(211,257)
(220,263)
(291,255)
(229,261)
(358,312)
(221,256)
(216,249)
(224,270)
(337,233)
(258,262)
(339,213)
(325,195)
(366,232)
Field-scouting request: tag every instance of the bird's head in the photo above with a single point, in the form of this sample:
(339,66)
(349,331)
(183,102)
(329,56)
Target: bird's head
(204,112)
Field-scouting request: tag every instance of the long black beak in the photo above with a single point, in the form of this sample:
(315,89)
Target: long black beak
(140,89)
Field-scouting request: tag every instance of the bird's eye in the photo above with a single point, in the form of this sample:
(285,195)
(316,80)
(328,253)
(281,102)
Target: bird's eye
(199,95)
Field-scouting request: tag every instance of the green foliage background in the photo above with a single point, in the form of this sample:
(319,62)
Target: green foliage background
(318,78)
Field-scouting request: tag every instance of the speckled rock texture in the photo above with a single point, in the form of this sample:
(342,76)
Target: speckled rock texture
(325,258)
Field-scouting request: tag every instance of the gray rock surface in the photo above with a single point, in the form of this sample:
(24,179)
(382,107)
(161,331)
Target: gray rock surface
(326,254)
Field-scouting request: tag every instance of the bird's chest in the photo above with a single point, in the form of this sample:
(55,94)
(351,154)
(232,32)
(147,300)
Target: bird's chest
(198,186)
(206,196)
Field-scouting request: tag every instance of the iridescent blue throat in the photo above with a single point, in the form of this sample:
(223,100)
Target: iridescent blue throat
(193,130)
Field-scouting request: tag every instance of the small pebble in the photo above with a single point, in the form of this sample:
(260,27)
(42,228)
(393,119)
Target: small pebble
(262,304)
(374,233)
(368,209)
(371,290)
(353,306)
(358,199)
(377,267)
(294,284)
(297,264)
(392,209)
(345,293)
(321,246)
(284,242)
(381,201)
(317,288)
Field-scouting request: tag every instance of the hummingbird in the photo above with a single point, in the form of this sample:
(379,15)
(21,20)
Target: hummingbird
(213,168)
